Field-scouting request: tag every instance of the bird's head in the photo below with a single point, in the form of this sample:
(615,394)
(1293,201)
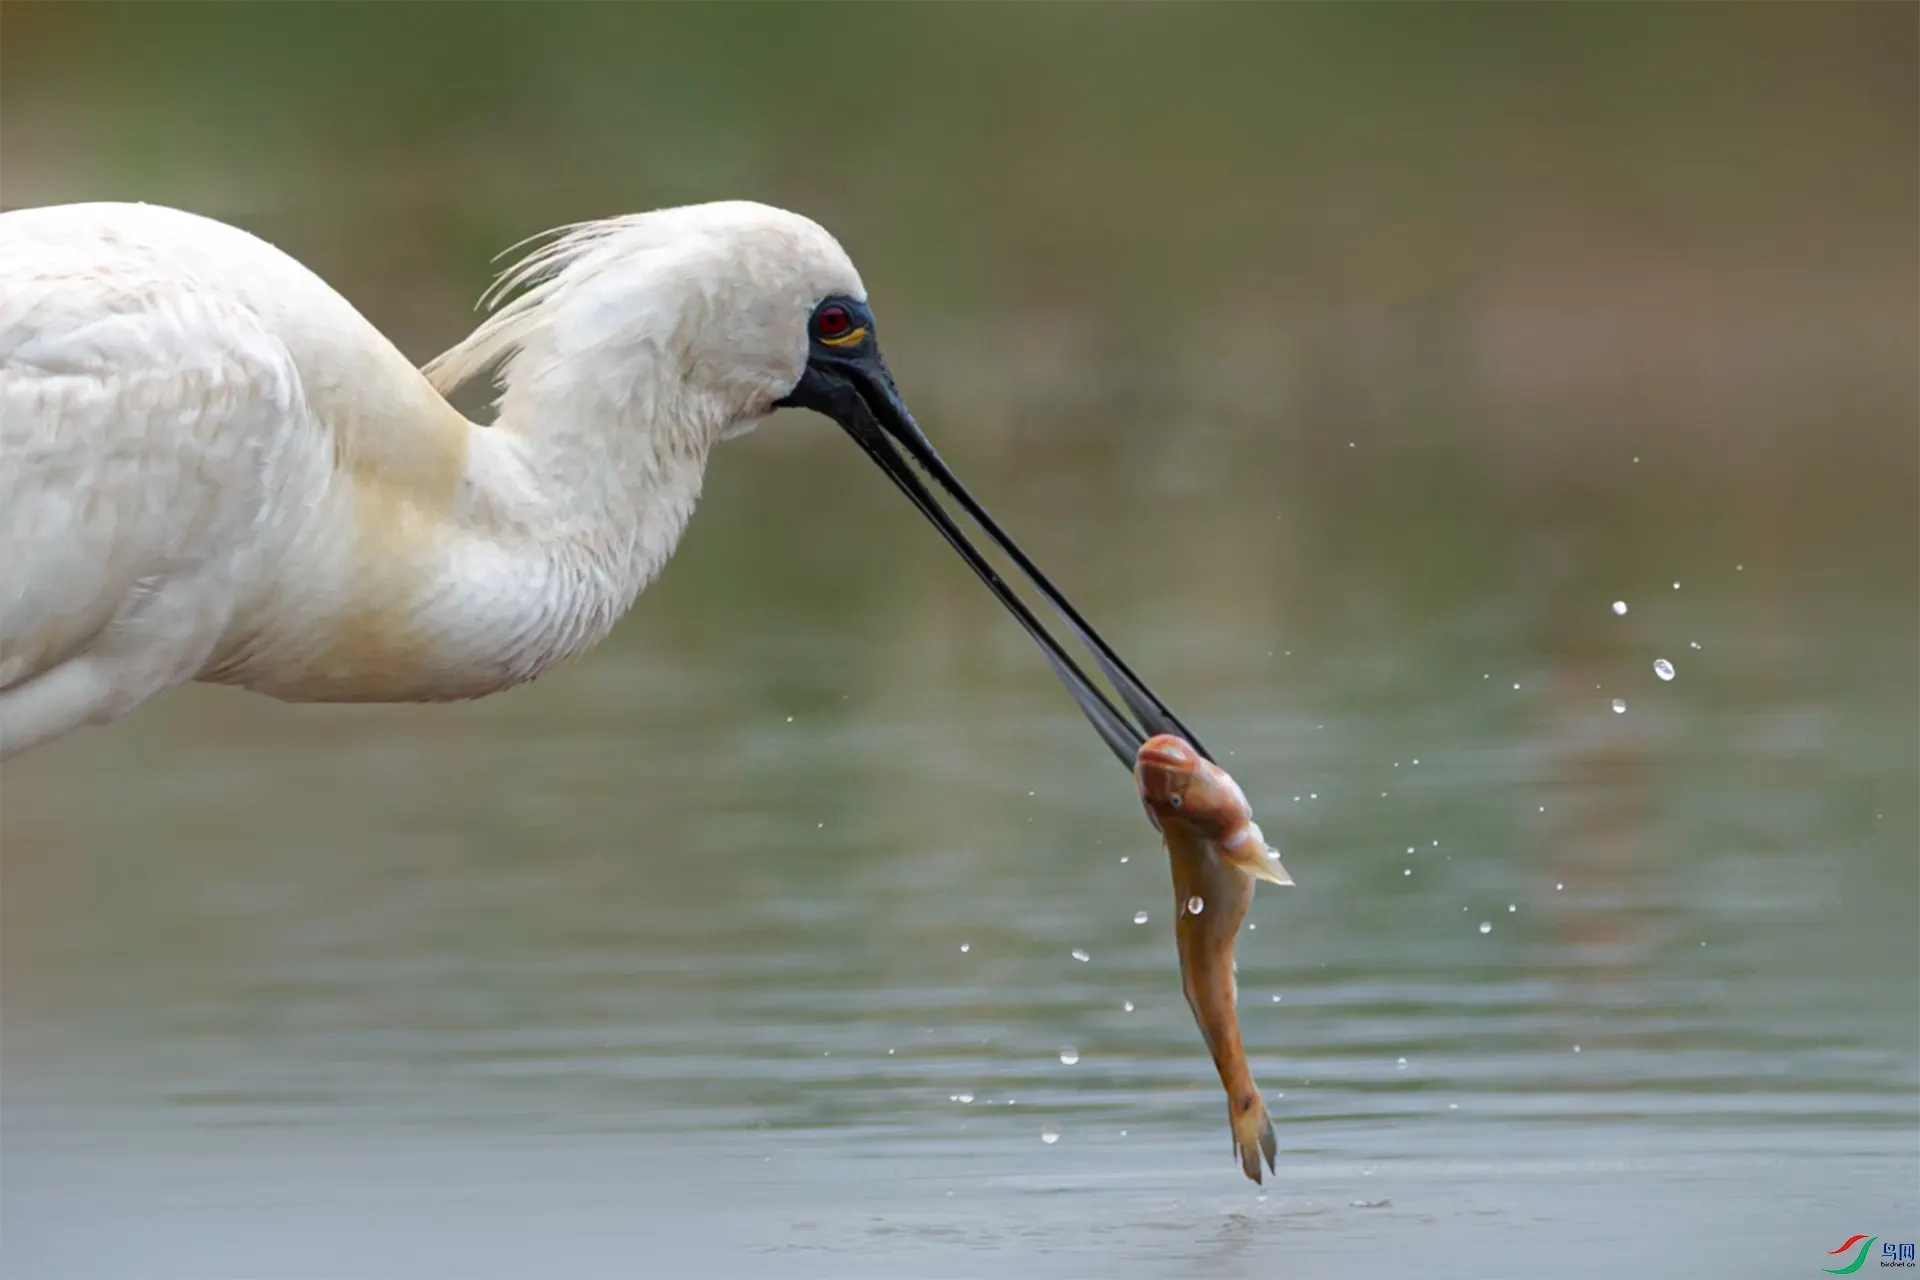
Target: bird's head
(698,322)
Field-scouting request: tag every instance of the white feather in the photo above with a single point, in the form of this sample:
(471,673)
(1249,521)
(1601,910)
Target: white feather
(213,468)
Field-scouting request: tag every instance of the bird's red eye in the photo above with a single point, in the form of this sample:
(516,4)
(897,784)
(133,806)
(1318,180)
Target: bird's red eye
(832,321)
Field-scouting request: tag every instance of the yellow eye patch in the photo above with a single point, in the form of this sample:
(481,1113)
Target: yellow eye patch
(852,337)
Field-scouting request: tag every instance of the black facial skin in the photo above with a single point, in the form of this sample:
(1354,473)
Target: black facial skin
(847,380)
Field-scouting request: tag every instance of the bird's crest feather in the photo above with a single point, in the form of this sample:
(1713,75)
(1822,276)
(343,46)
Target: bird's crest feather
(517,301)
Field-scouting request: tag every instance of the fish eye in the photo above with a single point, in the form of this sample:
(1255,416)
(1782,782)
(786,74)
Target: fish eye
(1175,800)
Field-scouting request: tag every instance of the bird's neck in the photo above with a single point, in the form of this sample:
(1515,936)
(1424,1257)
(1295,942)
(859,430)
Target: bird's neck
(467,558)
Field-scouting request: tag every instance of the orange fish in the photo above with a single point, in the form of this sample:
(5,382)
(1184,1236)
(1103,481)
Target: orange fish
(1217,852)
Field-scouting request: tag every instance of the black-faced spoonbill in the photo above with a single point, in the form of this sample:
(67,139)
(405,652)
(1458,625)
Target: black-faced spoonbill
(213,468)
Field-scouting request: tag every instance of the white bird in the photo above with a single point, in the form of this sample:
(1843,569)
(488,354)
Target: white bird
(213,468)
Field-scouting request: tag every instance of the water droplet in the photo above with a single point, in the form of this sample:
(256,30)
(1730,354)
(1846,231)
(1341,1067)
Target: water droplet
(1030,793)
(889,1053)
(1401,1064)
(964,1097)
(1276,999)
(1576,1048)
(1069,1055)
(1049,1133)
(1663,668)
(1619,706)
(1516,684)
(1676,586)
(1693,644)
(1486,926)
(1123,1133)
(1127,1006)
(965,947)
(1313,795)
(1557,888)
(1512,907)
(789,719)
(1123,857)
(1081,956)
(1139,917)
(1196,905)
(1407,872)
(1620,608)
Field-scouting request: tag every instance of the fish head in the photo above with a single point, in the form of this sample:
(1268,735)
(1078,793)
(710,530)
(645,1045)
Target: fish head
(1177,782)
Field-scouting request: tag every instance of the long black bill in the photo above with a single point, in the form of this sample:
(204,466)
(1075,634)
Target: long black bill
(858,393)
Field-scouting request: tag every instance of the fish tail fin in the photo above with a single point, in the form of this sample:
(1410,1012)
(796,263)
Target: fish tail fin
(1253,1135)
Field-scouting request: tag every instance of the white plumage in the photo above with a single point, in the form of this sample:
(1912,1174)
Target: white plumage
(213,468)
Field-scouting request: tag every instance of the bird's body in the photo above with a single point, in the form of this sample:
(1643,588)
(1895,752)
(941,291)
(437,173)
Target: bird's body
(212,467)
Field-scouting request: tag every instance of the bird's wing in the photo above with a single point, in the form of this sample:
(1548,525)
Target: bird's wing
(144,417)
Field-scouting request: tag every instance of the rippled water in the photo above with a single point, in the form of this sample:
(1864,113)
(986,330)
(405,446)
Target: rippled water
(630,962)
(1396,398)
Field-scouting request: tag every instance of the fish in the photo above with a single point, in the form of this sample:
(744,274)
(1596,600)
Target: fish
(1218,853)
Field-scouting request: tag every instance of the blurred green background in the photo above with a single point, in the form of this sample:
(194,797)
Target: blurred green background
(1345,364)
